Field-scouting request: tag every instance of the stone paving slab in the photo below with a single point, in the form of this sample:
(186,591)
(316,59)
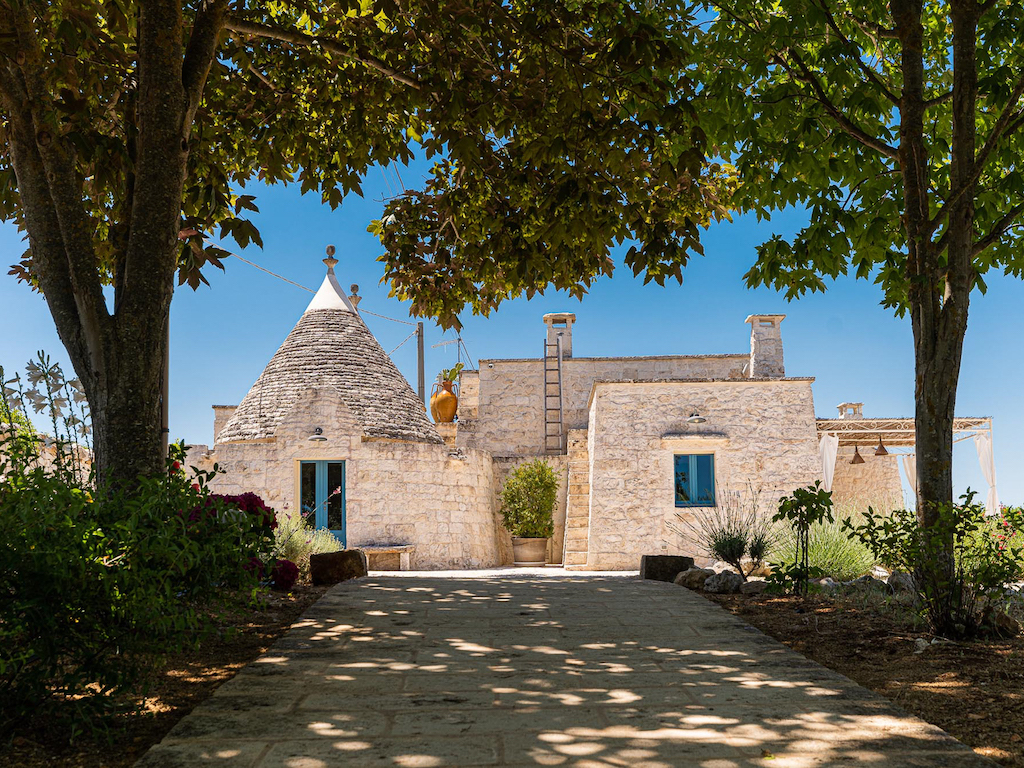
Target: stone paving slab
(540,669)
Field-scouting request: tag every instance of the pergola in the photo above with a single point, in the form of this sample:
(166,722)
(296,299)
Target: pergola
(898,433)
(851,429)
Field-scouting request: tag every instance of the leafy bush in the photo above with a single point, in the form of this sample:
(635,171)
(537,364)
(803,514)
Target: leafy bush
(528,500)
(94,584)
(803,509)
(736,531)
(962,568)
(296,541)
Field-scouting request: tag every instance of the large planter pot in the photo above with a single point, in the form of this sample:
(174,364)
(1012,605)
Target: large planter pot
(529,551)
(443,402)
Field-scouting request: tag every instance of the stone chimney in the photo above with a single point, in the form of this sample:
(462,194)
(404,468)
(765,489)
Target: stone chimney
(221,415)
(559,325)
(851,410)
(766,347)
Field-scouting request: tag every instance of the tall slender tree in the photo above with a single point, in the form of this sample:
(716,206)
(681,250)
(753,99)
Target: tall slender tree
(131,128)
(897,125)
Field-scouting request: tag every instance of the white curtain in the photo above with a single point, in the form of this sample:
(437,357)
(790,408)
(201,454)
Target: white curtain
(828,448)
(983,443)
(910,470)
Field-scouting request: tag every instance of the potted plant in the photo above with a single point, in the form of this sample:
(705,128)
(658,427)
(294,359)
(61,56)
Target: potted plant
(444,400)
(527,503)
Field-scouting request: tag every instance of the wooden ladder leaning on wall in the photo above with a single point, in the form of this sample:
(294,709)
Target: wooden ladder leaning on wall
(554,431)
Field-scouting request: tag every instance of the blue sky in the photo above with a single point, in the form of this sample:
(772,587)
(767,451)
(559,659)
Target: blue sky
(223,335)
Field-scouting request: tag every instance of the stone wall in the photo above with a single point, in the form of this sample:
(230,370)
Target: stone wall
(429,495)
(501,406)
(762,434)
(875,483)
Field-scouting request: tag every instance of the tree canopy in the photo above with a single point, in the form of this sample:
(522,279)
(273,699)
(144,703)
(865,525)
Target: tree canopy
(813,102)
(133,128)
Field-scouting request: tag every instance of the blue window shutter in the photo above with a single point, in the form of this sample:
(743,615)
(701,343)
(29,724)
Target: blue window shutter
(694,480)
(682,480)
(704,480)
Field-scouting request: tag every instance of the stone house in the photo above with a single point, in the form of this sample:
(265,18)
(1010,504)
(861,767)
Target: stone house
(332,430)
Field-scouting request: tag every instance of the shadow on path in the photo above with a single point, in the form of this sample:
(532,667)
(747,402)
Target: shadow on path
(420,672)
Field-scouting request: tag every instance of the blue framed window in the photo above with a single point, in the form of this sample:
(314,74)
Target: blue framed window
(695,480)
(322,495)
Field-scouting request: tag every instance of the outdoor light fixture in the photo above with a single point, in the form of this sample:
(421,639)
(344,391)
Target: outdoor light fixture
(880,450)
(857,458)
(695,418)
(317,436)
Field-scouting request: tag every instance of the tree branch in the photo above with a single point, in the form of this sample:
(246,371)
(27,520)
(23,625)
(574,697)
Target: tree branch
(819,94)
(1000,129)
(938,99)
(199,54)
(162,154)
(854,49)
(874,28)
(845,122)
(998,229)
(245,27)
(63,185)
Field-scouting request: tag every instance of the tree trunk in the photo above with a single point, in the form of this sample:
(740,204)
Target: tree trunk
(126,401)
(940,289)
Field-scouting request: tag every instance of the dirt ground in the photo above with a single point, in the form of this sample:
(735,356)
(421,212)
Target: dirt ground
(182,681)
(974,691)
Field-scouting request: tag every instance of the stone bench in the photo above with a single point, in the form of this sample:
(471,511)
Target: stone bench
(389,557)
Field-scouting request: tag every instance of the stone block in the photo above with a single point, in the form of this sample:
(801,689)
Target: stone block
(332,567)
(663,567)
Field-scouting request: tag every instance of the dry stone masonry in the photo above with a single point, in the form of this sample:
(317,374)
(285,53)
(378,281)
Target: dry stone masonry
(331,394)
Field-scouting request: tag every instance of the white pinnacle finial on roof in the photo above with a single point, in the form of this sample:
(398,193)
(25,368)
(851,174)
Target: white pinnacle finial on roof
(330,295)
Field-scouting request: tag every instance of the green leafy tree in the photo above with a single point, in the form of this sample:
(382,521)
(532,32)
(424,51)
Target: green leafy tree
(897,125)
(132,128)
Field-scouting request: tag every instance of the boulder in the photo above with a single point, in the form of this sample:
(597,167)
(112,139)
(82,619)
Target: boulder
(899,581)
(753,587)
(866,583)
(663,567)
(693,578)
(827,584)
(332,567)
(724,583)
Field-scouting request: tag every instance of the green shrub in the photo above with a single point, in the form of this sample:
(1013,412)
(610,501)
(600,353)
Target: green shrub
(528,500)
(962,566)
(296,541)
(95,585)
(832,551)
(92,588)
(737,530)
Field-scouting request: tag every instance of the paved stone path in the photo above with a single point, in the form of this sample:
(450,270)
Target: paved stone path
(513,670)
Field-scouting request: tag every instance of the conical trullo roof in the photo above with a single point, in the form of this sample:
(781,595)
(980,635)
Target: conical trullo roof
(331,347)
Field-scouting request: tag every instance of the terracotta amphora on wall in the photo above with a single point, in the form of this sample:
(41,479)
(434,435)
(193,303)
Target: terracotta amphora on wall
(443,402)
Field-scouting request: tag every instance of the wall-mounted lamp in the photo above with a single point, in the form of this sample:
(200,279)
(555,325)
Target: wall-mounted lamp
(695,418)
(317,436)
